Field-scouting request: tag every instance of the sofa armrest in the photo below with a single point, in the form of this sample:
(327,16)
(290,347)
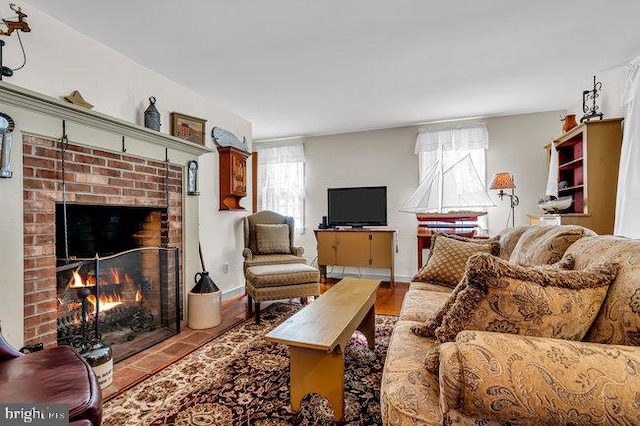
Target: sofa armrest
(247,254)
(6,350)
(297,251)
(504,377)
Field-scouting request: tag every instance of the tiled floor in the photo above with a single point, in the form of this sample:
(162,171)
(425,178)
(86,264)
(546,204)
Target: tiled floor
(140,366)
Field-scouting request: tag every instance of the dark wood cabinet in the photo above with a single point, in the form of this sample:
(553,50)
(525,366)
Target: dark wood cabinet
(233,177)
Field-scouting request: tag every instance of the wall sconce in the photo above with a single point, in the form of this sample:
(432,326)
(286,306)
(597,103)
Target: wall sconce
(502,181)
(7,126)
(192,178)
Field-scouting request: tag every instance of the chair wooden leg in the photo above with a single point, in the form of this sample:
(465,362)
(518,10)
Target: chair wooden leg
(257,312)
(249,303)
(304,300)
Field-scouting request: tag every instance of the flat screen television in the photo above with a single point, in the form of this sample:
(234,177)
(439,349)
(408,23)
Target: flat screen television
(357,207)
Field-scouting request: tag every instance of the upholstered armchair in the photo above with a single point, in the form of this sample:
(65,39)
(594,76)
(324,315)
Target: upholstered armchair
(268,240)
(273,267)
(56,375)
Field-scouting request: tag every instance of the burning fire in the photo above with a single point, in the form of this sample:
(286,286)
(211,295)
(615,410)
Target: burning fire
(107,301)
(76,281)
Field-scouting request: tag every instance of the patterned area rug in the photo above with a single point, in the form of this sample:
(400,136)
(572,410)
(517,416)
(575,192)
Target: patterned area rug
(241,379)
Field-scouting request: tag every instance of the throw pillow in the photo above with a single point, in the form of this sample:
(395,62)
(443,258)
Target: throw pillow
(509,238)
(542,245)
(428,329)
(448,258)
(544,302)
(272,239)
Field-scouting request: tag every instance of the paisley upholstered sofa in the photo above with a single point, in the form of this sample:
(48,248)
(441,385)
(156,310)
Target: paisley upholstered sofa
(565,352)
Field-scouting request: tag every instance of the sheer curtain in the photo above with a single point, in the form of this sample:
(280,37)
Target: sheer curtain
(451,143)
(628,195)
(281,180)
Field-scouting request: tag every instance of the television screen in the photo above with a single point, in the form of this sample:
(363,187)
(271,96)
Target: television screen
(357,207)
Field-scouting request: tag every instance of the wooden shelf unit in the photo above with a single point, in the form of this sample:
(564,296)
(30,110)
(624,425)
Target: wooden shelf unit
(369,248)
(233,177)
(588,160)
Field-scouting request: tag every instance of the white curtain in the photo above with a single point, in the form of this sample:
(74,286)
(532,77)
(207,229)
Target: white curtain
(628,195)
(281,180)
(451,143)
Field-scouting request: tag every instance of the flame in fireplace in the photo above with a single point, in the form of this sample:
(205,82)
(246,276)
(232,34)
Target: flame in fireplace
(106,302)
(76,281)
(138,296)
(118,277)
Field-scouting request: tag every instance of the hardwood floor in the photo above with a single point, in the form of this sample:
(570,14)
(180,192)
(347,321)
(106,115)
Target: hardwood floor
(132,370)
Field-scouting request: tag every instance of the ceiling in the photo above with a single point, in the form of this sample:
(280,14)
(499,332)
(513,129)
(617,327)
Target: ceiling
(302,67)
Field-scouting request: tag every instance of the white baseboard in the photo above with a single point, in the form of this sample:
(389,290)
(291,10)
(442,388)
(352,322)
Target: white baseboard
(228,294)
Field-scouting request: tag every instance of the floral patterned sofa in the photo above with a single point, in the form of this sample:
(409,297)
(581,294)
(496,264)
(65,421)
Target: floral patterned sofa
(562,358)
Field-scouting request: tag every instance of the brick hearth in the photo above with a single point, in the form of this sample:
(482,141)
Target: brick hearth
(94,177)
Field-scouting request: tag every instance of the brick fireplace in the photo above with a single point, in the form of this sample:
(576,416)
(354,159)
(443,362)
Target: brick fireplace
(94,177)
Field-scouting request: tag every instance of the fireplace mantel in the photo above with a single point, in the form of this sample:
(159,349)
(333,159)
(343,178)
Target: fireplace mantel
(130,173)
(37,102)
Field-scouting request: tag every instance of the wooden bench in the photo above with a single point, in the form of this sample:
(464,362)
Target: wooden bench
(318,334)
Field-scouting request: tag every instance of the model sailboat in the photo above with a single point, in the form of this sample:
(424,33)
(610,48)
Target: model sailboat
(449,193)
(552,203)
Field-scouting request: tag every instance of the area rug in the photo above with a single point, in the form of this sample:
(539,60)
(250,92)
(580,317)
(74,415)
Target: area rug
(241,379)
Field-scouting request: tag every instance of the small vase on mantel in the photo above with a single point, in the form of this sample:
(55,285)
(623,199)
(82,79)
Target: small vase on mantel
(569,122)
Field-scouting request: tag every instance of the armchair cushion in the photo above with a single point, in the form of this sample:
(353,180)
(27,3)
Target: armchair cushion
(448,257)
(272,239)
(495,377)
(499,296)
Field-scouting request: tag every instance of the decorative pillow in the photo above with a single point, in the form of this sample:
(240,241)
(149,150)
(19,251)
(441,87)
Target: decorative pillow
(428,329)
(271,239)
(542,244)
(448,258)
(508,238)
(538,301)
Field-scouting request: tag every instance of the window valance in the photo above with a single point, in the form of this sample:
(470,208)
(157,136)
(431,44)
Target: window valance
(280,153)
(452,137)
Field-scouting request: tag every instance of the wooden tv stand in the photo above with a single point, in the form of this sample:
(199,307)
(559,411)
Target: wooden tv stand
(369,248)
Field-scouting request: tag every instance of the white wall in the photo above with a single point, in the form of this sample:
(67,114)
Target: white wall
(386,157)
(60,60)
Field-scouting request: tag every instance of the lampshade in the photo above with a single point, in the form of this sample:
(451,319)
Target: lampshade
(502,181)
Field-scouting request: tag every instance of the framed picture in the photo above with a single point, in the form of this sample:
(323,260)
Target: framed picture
(188,128)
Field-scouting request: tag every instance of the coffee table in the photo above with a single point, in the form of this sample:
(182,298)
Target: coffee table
(318,334)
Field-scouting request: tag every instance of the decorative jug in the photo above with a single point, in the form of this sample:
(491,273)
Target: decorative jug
(204,284)
(569,122)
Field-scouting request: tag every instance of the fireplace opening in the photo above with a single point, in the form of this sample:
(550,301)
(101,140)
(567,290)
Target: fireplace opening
(116,282)
(107,230)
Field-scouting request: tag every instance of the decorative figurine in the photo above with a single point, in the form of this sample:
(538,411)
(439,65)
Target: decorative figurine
(76,98)
(192,178)
(586,96)
(19,25)
(152,116)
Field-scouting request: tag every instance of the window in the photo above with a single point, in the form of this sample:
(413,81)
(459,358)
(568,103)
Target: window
(451,144)
(452,170)
(281,180)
